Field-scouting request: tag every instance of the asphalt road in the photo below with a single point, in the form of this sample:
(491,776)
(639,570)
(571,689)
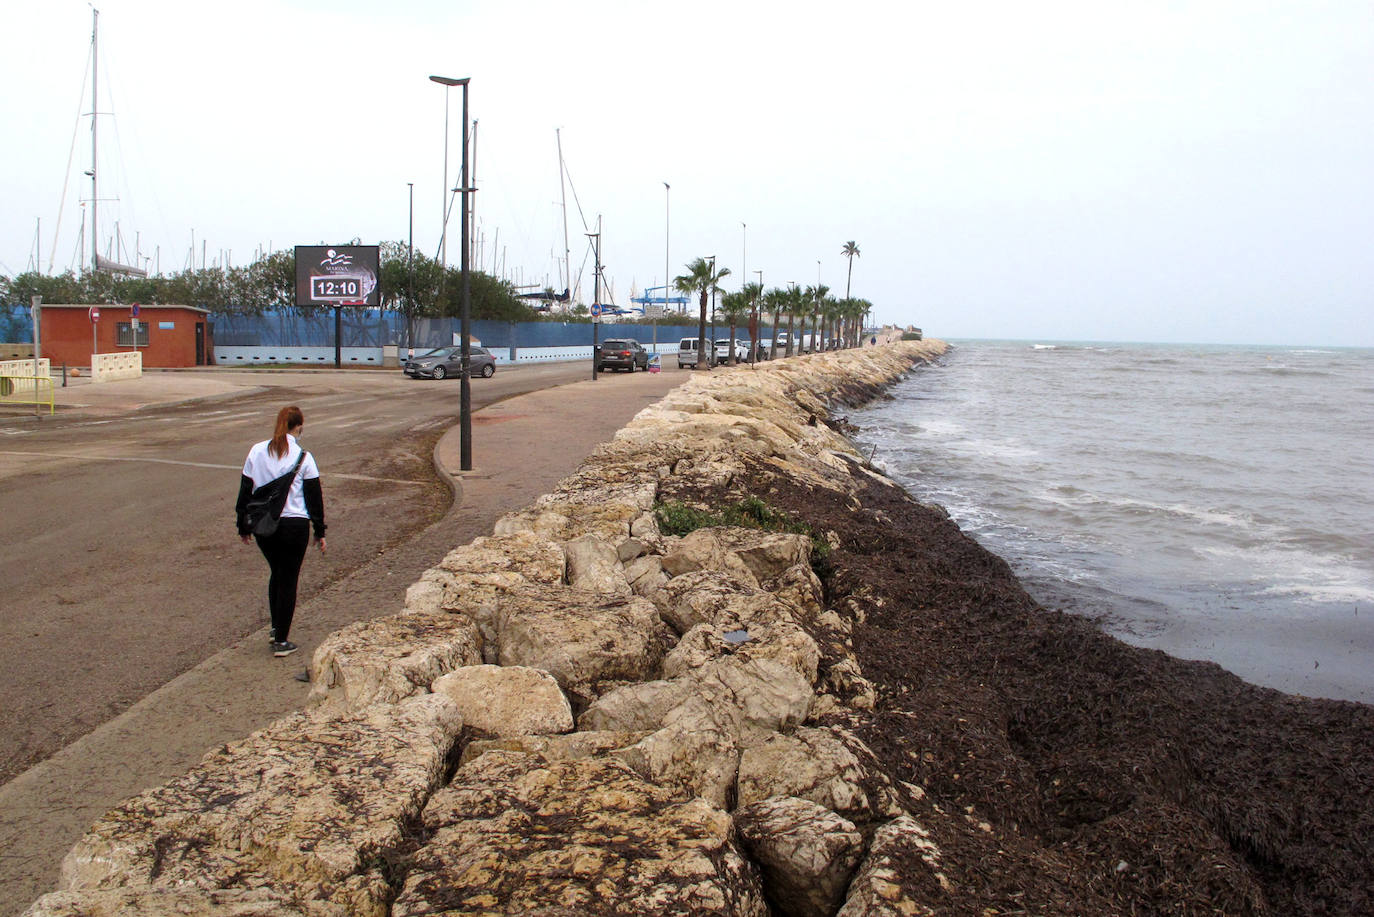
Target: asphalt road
(120,568)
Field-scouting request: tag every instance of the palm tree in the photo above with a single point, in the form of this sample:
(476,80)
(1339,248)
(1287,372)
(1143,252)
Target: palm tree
(702,278)
(850,251)
(830,315)
(816,296)
(776,300)
(736,307)
(753,292)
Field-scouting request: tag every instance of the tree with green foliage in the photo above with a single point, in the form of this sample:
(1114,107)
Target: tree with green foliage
(753,294)
(702,278)
(736,308)
(850,251)
(774,300)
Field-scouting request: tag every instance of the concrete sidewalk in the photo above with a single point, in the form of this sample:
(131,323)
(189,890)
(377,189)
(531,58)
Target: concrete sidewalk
(521,448)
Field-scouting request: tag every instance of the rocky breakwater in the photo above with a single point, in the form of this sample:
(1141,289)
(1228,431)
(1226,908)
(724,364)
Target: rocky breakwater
(728,668)
(581,713)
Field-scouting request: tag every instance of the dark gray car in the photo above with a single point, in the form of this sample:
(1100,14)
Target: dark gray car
(622,353)
(443,362)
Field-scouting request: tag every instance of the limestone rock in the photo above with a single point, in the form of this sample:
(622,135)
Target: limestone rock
(386,659)
(766,554)
(177,902)
(702,550)
(779,640)
(534,558)
(695,753)
(481,596)
(311,803)
(807,853)
(901,860)
(516,835)
(700,597)
(507,700)
(586,640)
(569,747)
(814,764)
(799,587)
(750,698)
(846,680)
(645,575)
(594,565)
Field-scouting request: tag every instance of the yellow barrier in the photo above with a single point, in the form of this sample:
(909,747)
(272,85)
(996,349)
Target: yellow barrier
(13,387)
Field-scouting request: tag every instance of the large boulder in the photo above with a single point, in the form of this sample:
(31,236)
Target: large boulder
(507,700)
(707,597)
(534,558)
(588,641)
(750,698)
(815,764)
(312,803)
(386,659)
(594,565)
(778,640)
(902,869)
(514,834)
(807,853)
(703,550)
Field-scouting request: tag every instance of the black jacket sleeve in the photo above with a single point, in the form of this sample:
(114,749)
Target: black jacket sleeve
(314,504)
(245,491)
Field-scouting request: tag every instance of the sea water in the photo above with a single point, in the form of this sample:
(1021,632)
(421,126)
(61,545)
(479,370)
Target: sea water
(1213,502)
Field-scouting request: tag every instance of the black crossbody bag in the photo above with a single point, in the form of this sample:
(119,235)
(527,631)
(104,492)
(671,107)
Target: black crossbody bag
(264,508)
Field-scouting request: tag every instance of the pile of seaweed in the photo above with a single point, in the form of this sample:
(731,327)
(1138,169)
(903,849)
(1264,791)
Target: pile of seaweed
(1060,770)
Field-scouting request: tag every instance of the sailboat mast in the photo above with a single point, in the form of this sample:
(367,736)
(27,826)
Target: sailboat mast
(95,76)
(567,251)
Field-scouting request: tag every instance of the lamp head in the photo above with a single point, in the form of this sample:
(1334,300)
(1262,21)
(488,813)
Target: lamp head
(450,81)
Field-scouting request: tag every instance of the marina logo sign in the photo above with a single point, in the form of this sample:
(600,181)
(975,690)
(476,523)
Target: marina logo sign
(335,275)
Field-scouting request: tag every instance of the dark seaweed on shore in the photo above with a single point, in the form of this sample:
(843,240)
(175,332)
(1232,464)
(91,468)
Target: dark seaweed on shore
(1074,774)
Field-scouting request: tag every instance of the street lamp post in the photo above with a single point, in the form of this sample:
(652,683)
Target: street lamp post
(465,376)
(596,295)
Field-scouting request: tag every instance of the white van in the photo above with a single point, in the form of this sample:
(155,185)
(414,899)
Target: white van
(687,354)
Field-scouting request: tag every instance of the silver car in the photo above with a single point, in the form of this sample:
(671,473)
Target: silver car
(443,362)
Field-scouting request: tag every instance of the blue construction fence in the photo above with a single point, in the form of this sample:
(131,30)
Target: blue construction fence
(379,327)
(16,324)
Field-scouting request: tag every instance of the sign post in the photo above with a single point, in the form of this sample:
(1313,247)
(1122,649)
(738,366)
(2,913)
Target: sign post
(338,276)
(94,313)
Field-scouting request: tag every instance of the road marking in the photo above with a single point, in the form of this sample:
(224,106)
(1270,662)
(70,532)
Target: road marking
(162,461)
(209,419)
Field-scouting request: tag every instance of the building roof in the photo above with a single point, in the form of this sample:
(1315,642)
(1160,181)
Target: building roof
(122,305)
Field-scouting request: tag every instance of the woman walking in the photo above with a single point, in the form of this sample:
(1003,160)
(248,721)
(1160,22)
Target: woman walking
(285,548)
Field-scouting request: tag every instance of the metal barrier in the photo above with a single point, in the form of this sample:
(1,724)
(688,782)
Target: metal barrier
(26,390)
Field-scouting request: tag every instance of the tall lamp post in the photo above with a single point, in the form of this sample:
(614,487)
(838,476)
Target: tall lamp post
(465,377)
(596,296)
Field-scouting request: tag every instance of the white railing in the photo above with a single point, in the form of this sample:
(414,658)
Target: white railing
(22,372)
(111,367)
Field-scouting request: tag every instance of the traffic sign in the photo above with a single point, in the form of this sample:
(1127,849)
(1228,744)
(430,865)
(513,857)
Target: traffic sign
(94,312)
(134,310)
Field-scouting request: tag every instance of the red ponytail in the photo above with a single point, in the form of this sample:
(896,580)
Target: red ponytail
(288,418)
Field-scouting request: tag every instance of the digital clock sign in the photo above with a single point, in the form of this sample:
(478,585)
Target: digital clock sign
(337,275)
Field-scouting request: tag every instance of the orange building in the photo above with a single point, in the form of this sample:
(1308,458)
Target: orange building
(166,335)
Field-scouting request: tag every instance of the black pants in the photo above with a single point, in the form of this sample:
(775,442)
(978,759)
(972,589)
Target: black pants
(285,551)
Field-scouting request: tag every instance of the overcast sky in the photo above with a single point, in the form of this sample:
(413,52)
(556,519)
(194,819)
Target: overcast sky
(1082,171)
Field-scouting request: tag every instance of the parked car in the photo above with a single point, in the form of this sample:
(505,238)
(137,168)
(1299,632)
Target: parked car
(724,347)
(687,354)
(443,362)
(622,353)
